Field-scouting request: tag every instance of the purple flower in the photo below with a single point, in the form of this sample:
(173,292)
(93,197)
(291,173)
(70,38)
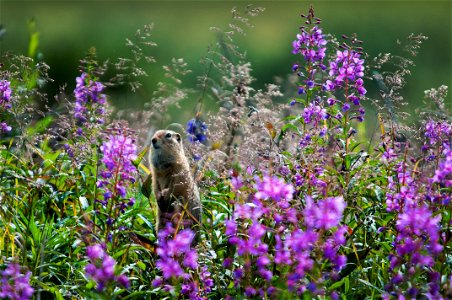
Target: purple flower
(170,268)
(311,44)
(443,174)
(417,225)
(314,114)
(301,90)
(196,130)
(438,132)
(346,71)
(89,101)
(174,251)
(345,107)
(5,94)
(236,180)
(5,127)
(274,188)
(5,103)
(347,66)
(206,278)
(102,268)
(331,101)
(250,291)
(326,213)
(118,153)
(328,85)
(14,284)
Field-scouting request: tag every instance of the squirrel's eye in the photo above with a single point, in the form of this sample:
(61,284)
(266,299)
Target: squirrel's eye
(168,135)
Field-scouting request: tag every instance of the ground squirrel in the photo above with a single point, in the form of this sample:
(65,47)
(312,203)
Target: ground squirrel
(172,182)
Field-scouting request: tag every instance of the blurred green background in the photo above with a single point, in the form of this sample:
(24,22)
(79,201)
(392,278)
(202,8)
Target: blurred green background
(69,28)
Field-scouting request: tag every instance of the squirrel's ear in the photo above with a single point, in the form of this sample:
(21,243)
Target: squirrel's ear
(178,138)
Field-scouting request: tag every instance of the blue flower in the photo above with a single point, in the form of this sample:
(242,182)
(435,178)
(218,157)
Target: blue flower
(196,130)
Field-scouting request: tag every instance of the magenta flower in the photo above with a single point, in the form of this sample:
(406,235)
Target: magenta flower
(5,94)
(346,72)
(5,102)
(438,132)
(118,153)
(311,44)
(418,230)
(175,252)
(274,188)
(102,268)
(348,66)
(89,101)
(324,214)
(14,284)
(443,174)
(5,127)
(313,114)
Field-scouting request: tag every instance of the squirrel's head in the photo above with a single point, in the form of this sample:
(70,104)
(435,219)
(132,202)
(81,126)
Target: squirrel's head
(166,149)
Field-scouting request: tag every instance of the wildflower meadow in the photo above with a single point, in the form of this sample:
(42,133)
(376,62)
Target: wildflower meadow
(300,199)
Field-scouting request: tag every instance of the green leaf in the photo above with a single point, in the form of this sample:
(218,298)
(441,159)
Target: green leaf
(141,265)
(336,285)
(347,284)
(33,43)
(370,285)
(40,126)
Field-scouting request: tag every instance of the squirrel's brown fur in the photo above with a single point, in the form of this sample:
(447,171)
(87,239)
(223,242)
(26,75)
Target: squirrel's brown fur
(172,182)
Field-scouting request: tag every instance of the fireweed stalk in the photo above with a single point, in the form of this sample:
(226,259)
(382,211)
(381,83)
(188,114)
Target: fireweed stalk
(89,109)
(272,233)
(341,75)
(178,262)
(102,269)
(117,173)
(5,103)
(14,284)
(311,44)
(418,203)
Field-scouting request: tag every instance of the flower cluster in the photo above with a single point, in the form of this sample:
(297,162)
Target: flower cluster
(5,94)
(89,100)
(14,285)
(172,248)
(348,67)
(196,130)
(311,44)
(438,133)
(118,151)
(416,245)
(403,190)
(346,72)
(178,260)
(102,268)
(313,114)
(443,174)
(324,214)
(274,188)
(269,234)
(5,102)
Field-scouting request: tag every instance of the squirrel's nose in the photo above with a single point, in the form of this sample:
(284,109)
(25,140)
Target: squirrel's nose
(154,143)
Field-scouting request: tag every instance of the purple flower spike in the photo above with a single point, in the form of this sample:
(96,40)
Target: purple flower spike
(311,44)
(102,268)
(326,213)
(89,101)
(5,102)
(14,284)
